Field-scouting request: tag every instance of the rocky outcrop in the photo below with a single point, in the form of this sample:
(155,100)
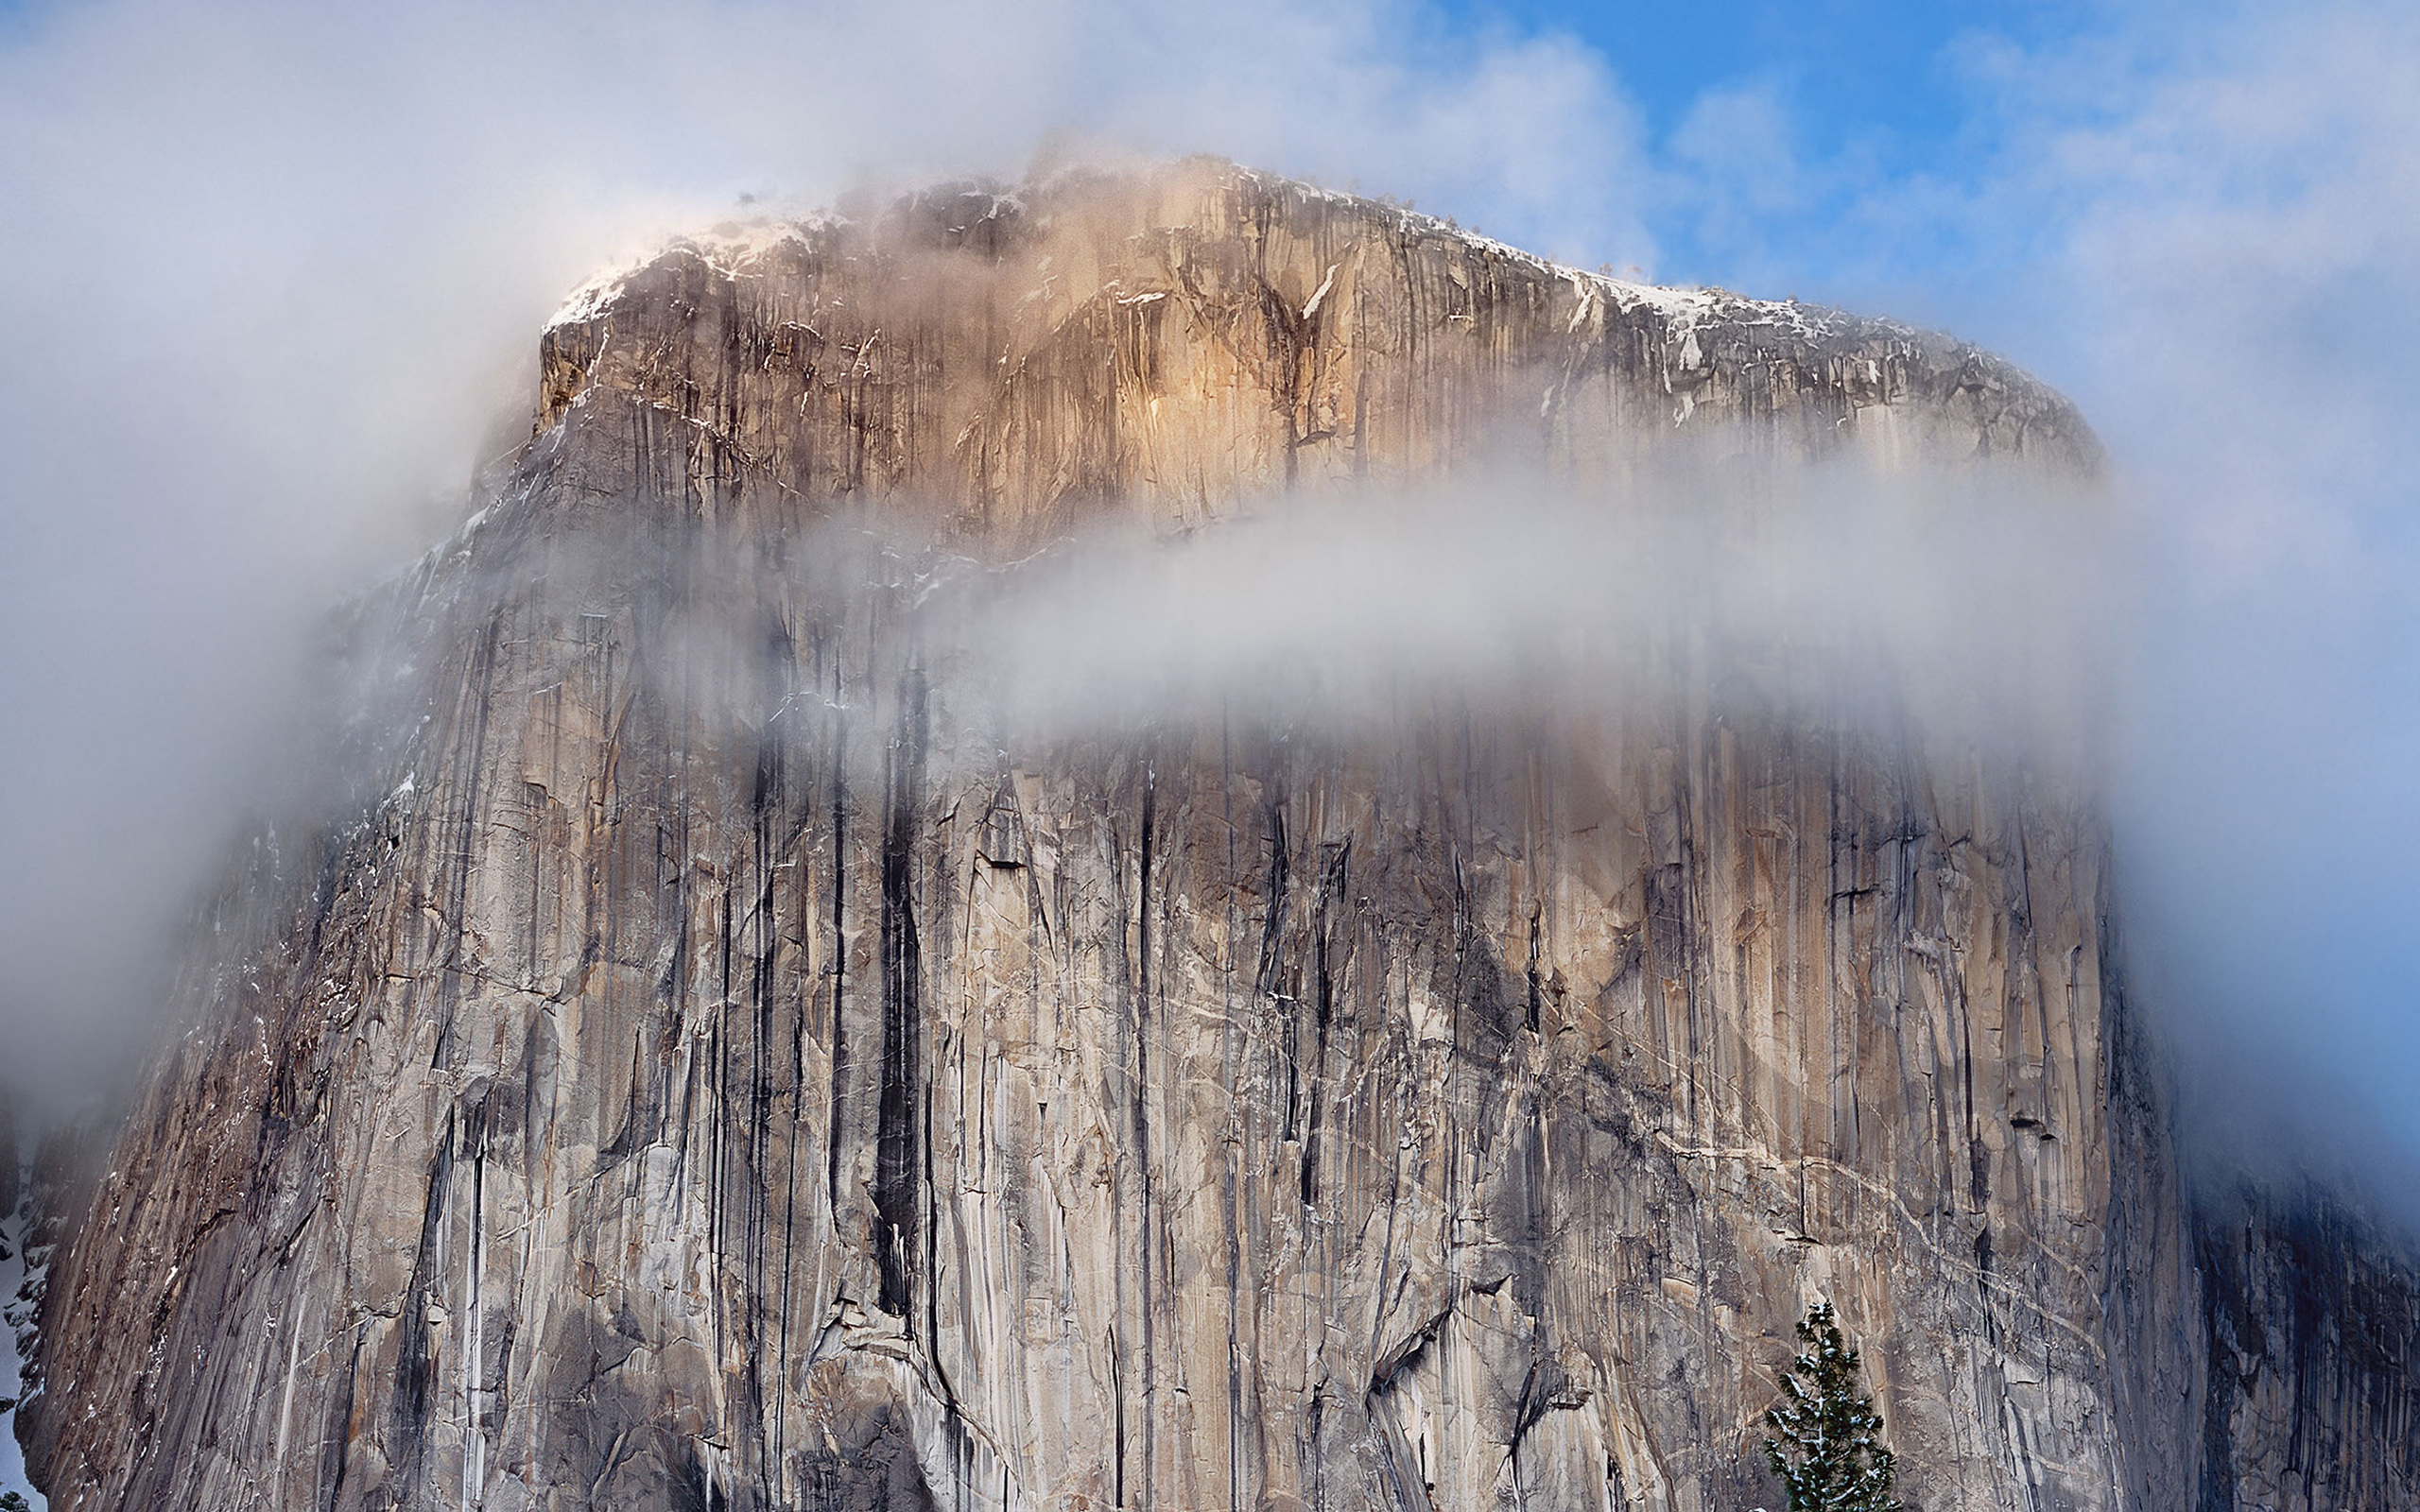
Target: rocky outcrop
(20,1285)
(2313,1331)
(51,1196)
(722,1063)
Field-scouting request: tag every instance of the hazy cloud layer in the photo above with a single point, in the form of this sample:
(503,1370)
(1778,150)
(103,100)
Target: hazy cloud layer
(2244,252)
(273,272)
(1973,611)
(2201,222)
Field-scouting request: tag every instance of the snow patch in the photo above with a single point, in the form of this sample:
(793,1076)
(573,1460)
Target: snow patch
(589,300)
(21,1278)
(1805,323)
(1327,283)
(731,248)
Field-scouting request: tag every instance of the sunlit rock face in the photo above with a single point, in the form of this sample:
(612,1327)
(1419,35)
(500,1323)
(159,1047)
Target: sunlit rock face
(717,1064)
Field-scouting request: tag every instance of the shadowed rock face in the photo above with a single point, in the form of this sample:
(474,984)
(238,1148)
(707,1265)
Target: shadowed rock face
(2313,1331)
(715,1067)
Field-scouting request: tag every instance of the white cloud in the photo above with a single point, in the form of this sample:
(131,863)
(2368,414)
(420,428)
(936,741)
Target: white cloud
(271,270)
(2203,222)
(2237,230)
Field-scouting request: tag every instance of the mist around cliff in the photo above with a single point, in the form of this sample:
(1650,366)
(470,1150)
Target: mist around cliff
(1961,607)
(271,274)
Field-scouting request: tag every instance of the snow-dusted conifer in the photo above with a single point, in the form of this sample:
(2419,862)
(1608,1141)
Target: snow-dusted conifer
(1827,1445)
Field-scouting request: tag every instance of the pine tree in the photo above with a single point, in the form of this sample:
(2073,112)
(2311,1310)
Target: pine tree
(1828,1447)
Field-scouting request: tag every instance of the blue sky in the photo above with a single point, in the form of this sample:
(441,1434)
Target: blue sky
(1896,89)
(1883,77)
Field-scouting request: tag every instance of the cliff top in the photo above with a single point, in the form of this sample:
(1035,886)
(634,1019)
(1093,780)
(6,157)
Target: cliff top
(1176,338)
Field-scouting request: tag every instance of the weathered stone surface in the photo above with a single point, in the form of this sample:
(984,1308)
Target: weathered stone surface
(19,1287)
(720,1068)
(52,1195)
(2313,1330)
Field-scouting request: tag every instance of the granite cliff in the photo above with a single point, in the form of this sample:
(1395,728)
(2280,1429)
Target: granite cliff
(711,1063)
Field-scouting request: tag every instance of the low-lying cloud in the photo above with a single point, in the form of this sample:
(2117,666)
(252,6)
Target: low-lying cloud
(1969,606)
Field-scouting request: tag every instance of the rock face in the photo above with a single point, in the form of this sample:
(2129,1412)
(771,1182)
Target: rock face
(18,1300)
(2313,1332)
(44,1198)
(715,1067)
